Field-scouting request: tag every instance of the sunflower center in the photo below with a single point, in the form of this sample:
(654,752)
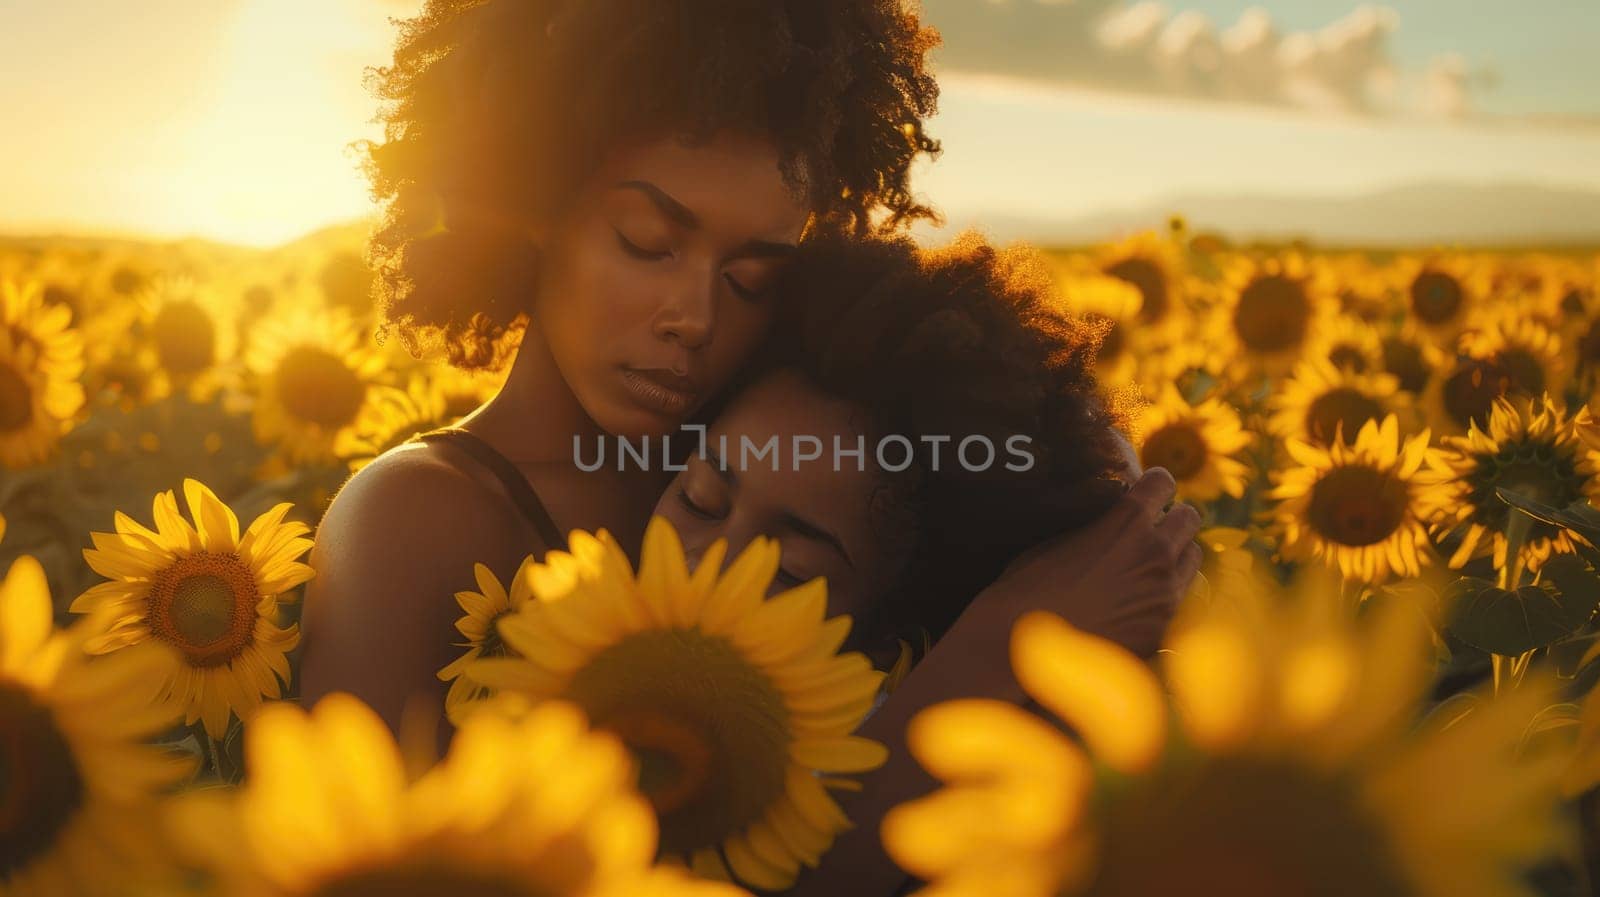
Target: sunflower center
(1209,829)
(1407,363)
(1180,448)
(1272,314)
(40,786)
(317,386)
(1435,297)
(425,880)
(16,399)
(1589,345)
(493,644)
(1470,391)
(1525,370)
(1357,505)
(1348,357)
(205,604)
(185,337)
(1151,282)
(710,767)
(1341,410)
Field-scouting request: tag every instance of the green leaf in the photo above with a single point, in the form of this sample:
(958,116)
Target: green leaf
(1512,623)
(1579,516)
(1578,586)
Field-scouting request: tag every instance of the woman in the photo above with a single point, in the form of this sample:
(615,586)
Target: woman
(940,348)
(606,189)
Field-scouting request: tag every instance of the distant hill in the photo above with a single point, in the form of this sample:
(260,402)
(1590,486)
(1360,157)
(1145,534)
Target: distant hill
(1484,215)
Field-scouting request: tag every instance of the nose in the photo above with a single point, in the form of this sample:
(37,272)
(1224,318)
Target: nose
(737,538)
(688,317)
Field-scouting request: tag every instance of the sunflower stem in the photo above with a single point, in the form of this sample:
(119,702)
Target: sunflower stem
(1497,665)
(208,751)
(1518,526)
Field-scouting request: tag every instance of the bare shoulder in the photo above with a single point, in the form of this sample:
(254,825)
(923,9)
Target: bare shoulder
(398,542)
(407,487)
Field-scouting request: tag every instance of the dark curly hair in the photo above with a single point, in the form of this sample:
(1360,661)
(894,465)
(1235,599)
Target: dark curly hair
(496,110)
(969,339)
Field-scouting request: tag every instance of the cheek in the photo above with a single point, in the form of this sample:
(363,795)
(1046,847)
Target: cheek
(594,297)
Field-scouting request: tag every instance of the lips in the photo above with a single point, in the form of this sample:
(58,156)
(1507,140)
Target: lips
(661,390)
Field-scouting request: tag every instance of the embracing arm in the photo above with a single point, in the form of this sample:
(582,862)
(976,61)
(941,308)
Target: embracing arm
(1119,578)
(380,615)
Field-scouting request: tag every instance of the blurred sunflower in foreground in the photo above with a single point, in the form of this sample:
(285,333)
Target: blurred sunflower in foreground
(537,807)
(207,591)
(1291,768)
(731,701)
(1198,445)
(78,787)
(315,374)
(41,359)
(1529,446)
(1361,507)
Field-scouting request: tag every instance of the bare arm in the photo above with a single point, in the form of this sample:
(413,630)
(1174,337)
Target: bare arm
(395,546)
(1120,578)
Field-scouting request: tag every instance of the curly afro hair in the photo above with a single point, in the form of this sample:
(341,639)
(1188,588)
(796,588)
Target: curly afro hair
(496,110)
(969,339)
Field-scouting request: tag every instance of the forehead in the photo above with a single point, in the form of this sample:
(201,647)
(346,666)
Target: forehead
(785,405)
(730,181)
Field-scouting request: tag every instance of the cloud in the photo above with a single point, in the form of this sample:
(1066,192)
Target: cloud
(1344,66)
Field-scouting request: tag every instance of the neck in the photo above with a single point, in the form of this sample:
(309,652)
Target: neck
(534,416)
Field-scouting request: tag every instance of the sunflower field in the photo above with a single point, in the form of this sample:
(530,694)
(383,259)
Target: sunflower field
(1382,684)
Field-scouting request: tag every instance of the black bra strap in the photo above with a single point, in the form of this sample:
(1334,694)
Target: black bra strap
(516,485)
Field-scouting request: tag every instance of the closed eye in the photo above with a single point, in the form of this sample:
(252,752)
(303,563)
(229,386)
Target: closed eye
(637,251)
(742,291)
(689,505)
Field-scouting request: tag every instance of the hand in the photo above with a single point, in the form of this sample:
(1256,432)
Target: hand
(1120,577)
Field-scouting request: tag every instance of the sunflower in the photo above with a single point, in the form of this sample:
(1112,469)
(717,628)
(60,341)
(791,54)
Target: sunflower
(41,359)
(485,609)
(733,703)
(1321,401)
(391,417)
(1528,446)
(316,375)
(1439,293)
(1153,265)
(77,785)
(1112,303)
(1412,359)
(1532,355)
(1288,768)
(1348,343)
(533,807)
(190,333)
(1360,507)
(1269,310)
(1198,445)
(206,590)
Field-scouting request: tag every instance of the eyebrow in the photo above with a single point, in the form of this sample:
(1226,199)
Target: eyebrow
(789,519)
(685,217)
(669,207)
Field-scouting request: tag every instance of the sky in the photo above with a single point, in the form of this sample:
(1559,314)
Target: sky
(232,119)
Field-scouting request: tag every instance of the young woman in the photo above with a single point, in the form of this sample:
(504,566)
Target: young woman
(605,189)
(940,348)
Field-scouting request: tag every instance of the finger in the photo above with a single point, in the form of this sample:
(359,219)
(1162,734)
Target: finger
(1179,527)
(1189,565)
(1154,490)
